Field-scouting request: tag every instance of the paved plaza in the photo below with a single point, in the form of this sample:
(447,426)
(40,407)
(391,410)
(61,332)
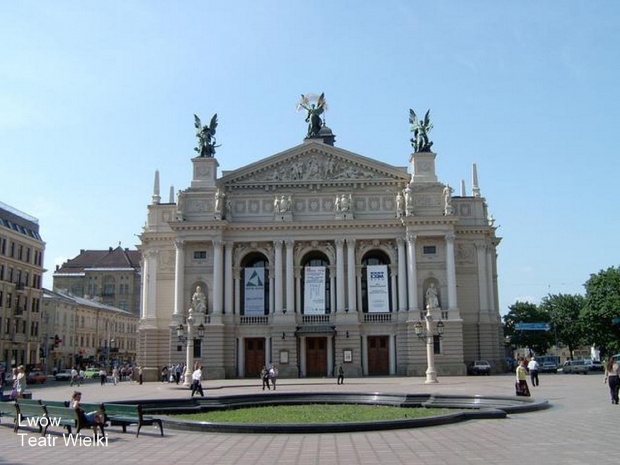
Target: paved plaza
(581,427)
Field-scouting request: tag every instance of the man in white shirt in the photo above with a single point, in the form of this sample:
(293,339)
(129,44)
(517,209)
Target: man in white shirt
(533,368)
(197,381)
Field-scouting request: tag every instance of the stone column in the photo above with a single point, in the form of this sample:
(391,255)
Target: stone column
(228,278)
(393,287)
(351,284)
(339,275)
(150,285)
(218,282)
(402,275)
(290,275)
(490,286)
(277,244)
(237,298)
(364,355)
(179,275)
(392,354)
(483,292)
(412,281)
(241,357)
(451,271)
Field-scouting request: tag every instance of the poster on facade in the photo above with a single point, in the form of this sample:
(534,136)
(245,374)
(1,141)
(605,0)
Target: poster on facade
(378,293)
(254,291)
(314,290)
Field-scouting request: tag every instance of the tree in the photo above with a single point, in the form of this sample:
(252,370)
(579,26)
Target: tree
(564,311)
(525,312)
(602,305)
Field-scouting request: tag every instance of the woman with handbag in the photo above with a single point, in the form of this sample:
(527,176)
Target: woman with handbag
(521,381)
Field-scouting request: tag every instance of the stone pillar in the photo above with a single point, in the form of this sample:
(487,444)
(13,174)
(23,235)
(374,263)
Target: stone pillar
(277,244)
(267,351)
(451,271)
(365,355)
(490,285)
(179,275)
(393,288)
(241,356)
(149,290)
(483,292)
(402,275)
(412,280)
(392,354)
(290,275)
(302,356)
(351,284)
(339,275)
(228,278)
(218,282)
(237,300)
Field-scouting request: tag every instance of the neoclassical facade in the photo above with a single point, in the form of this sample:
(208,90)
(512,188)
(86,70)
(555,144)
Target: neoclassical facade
(316,257)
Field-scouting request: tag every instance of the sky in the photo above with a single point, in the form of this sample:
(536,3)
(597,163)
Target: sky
(96,96)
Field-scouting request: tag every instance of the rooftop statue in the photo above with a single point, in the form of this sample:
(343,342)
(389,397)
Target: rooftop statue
(206,137)
(313,112)
(420,129)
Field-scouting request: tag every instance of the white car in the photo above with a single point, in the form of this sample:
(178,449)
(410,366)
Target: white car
(575,366)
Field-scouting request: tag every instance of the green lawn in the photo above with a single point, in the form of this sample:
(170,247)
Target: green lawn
(316,413)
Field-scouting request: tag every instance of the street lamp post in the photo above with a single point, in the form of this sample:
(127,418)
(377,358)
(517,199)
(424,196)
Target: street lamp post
(427,333)
(192,320)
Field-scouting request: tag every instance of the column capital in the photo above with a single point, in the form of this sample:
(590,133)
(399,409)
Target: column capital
(278,242)
(339,241)
(290,243)
(351,241)
(179,243)
(412,237)
(450,237)
(217,242)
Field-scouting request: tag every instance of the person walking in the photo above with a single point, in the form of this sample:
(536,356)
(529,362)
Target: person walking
(115,375)
(273,375)
(533,368)
(197,381)
(140,374)
(521,381)
(102,376)
(612,378)
(340,374)
(264,376)
(164,374)
(20,382)
(177,373)
(75,377)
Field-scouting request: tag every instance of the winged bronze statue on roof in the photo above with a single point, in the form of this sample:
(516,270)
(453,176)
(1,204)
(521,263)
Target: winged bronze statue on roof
(313,112)
(420,129)
(206,137)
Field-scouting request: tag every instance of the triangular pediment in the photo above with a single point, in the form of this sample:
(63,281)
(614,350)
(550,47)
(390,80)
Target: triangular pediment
(313,163)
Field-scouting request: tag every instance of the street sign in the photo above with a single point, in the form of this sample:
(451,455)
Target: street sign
(532,326)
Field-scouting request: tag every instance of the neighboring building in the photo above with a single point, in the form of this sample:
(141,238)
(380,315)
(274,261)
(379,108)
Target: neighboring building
(112,275)
(83,332)
(316,257)
(21,271)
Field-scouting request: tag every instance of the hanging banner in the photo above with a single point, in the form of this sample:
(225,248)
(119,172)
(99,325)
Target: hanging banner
(314,290)
(254,291)
(378,291)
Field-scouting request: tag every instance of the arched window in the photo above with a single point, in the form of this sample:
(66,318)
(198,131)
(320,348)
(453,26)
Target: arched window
(373,258)
(316,259)
(255,285)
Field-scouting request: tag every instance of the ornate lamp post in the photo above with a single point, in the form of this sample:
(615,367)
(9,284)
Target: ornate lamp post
(192,320)
(427,333)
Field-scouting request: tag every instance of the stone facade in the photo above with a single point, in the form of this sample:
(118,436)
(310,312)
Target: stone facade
(21,272)
(317,257)
(112,276)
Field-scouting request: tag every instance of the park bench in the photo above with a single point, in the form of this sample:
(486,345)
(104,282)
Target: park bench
(28,412)
(7,409)
(60,414)
(126,414)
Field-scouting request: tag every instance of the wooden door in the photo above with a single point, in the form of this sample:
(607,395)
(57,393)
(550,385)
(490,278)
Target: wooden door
(254,356)
(378,355)
(316,356)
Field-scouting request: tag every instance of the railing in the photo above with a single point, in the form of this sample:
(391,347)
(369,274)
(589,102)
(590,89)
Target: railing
(377,317)
(315,319)
(256,320)
(19,311)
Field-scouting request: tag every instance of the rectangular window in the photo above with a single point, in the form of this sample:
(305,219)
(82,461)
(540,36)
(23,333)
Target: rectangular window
(200,255)
(436,345)
(429,250)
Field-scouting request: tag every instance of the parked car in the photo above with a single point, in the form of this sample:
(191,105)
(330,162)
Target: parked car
(91,372)
(479,367)
(575,366)
(35,376)
(549,367)
(64,375)
(594,365)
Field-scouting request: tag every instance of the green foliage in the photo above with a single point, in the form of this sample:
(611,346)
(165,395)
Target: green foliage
(526,312)
(564,312)
(315,413)
(602,305)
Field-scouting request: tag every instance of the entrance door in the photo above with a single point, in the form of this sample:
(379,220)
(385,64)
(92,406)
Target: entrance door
(378,355)
(316,356)
(254,356)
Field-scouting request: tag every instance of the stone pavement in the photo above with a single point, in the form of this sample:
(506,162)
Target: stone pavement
(581,427)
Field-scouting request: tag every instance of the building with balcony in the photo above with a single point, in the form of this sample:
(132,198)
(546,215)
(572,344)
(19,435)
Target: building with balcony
(111,275)
(82,332)
(21,271)
(317,257)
